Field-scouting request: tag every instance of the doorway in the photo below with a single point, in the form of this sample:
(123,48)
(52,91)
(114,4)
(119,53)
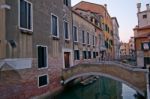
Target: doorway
(67,59)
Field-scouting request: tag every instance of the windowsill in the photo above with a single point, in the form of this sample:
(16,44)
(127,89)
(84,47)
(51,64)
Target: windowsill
(76,42)
(42,86)
(67,40)
(68,6)
(77,59)
(89,45)
(145,49)
(83,44)
(26,31)
(85,59)
(42,68)
(55,37)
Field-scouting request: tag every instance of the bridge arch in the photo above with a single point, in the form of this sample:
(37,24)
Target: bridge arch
(133,77)
(104,75)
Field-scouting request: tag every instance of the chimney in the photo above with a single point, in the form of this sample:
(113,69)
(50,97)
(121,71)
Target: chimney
(105,5)
(147,7)
(139,7)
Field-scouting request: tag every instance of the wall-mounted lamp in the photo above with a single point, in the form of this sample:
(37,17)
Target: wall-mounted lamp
(5,6)
(13,43)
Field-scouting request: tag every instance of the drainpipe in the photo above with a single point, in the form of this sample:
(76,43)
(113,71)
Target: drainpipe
(72,34)
(147,84)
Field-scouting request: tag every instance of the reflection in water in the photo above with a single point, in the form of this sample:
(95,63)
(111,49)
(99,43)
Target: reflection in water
(128,93)
(103,88)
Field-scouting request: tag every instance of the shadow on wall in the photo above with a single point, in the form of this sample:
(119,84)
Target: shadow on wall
(9,75)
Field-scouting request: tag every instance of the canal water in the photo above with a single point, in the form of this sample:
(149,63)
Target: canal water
(102,88)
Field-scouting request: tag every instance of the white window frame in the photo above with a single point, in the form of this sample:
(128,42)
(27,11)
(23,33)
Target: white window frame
(77,34)
(46,55)
(68,31)
(95,40)
(47,80)
(52,14)
(21,28)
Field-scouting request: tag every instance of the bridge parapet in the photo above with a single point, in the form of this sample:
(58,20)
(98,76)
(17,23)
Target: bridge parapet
(134,77)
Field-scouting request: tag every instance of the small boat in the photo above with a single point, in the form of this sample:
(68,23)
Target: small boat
(89,80)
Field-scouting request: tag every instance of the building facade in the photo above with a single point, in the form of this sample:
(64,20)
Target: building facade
(142,37)
(36,43)
(85,40)
(132,49)
(124,51)
(103,20)
(40,38)
(116,38)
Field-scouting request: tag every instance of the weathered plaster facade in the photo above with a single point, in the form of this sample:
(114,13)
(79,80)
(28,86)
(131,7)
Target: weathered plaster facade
(142,37)
(106,21)
(84,25)
(23,81)
(116,38)
(2,31)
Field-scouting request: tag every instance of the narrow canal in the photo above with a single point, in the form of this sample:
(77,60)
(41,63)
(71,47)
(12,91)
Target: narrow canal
(102,88)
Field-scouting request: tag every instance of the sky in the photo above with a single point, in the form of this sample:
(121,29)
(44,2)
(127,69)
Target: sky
(125,11)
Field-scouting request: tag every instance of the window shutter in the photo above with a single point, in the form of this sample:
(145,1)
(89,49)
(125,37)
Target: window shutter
(44,57)
(29,16)
(23,14)
(39,56)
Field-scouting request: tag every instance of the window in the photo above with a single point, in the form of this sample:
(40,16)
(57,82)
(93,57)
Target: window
(94,54)
(75,33)
(66,2)
(83,37)
(76,55)
(93,40)
(146,61)
(42,57)
(144,16)
(89,54)
(25,16)
(42,80)
(84,55)
(66,30)
(145,46)
(54,25)
(106,27)
(91,19)
(106,44)
(112,33)
(88,38)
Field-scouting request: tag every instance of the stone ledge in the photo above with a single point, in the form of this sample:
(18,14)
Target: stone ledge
(17,63)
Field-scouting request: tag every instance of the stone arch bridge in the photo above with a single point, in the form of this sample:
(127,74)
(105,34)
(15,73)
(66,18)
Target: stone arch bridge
(134,77)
